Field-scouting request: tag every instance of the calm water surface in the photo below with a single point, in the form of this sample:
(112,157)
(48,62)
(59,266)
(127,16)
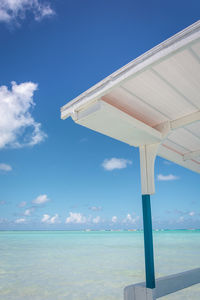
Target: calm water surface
(58,265)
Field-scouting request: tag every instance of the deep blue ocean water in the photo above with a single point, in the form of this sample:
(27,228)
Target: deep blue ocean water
(95,265)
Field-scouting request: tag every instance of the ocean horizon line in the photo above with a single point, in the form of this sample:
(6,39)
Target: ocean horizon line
(101,230)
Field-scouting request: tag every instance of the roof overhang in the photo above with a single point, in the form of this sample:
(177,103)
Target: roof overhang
(153,99)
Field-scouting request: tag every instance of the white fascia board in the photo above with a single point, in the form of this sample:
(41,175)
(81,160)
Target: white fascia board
(100,105)
(191,155)
(156,54)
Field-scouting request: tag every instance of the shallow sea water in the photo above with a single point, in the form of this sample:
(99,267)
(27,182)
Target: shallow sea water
(58,265)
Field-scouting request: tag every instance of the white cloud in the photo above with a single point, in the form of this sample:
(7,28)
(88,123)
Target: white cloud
(41,199)
(21,220)
(130,219)
(28,211)
(96,220)
(15,10)
(76,218)
(115,163)
(17,126)
(4,16)
(54,219)
(22,204)
(5,167)
(169,177)
(50,220)
(114,219)
(192,213)
(45,218)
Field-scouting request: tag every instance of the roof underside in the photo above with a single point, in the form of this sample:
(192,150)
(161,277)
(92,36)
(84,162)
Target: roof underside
(158,90)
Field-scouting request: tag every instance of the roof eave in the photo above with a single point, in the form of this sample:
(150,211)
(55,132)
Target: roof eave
(171,45)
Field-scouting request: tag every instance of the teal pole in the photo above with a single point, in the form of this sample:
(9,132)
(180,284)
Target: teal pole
(148,242)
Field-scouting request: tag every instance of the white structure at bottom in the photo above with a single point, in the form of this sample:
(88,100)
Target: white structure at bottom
(164,286)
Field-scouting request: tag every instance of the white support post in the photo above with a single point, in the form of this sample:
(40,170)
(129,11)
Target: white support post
(147,160)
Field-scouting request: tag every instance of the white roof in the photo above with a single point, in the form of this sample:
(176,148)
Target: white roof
(154,98)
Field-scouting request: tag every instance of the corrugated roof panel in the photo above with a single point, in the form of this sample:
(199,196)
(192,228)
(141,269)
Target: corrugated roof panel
(182,71)
(168,153)
(185,139)
(194,128)
(196,49)
(148,87)
(133,106)
(176,147)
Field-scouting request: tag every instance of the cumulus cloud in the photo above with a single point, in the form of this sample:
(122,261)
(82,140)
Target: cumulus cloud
(15,10)
(115,163)
(21,220)
(95,208)
(29,211)
(130,219)
(114,219)
(50,220)
(5,167)
(41,199)
(54,219)
(76,218)
(96,220)
(17,126)
(161,177)
(45,218)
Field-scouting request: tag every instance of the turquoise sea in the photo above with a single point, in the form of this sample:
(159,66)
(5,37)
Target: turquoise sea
(95,265)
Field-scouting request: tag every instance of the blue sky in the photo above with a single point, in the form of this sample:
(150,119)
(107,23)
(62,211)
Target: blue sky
(55,174)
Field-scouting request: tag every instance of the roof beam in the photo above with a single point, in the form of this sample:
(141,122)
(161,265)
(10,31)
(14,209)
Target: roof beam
(191,155)
(166,127)
(186,120)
